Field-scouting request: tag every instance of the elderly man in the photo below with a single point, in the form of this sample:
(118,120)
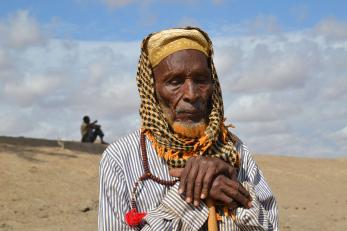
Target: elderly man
(183,170)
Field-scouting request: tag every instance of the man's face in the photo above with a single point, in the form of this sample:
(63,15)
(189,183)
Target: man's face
(183,86)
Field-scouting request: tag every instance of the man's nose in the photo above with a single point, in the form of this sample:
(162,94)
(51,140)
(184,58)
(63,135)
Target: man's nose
(190,91)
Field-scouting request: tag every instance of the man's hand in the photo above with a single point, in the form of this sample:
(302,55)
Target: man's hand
(230,192)
(200,172)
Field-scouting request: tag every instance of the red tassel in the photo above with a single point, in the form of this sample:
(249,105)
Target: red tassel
(133,218)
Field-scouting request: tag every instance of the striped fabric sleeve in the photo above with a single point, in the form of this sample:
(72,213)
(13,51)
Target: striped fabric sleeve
(113,198)
(182,215)
(264,214)
(173,213)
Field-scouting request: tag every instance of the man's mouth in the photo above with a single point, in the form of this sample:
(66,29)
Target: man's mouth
(190,112)
(191,115)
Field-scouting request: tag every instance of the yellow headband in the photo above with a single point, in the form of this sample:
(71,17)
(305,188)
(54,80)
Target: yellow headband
(167,42)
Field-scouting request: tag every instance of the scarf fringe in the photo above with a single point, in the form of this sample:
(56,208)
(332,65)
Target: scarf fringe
(200,147)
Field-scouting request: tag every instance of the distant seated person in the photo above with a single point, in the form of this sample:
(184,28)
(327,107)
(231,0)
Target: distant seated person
(90,131)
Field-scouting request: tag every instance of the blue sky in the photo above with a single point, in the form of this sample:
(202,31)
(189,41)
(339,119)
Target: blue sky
(133,19)
(281,65)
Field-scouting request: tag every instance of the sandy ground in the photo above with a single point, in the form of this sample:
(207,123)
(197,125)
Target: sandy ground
(50,188)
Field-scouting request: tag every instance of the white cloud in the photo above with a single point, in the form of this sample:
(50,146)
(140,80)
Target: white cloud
(31,88)
(267,64)
(341,135)
(332,29)
(50,84)
(17,123)
(336,88)
(264,23)
(21,30)
(285,92)
(4,62)
(259,107)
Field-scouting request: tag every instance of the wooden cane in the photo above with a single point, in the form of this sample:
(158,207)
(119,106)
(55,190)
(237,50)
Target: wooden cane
(212,216)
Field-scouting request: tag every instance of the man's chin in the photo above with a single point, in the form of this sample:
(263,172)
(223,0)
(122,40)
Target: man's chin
(189,129)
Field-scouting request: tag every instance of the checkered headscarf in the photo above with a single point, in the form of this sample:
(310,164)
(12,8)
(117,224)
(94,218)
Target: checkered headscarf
(217,141)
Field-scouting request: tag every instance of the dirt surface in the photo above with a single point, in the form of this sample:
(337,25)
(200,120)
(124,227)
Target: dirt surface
(311,192)
(50,188)
(47,188)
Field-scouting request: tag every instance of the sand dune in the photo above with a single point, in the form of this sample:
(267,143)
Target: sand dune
(56,188)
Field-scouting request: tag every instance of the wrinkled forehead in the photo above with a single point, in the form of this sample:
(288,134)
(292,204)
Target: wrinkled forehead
(162,44)
(183,61)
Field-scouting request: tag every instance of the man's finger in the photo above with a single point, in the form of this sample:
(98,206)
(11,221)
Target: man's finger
(243,190)
(183,177)
(224,199)
(176,172)
(191,180)
(198,186)
(207,183)
(237,196)
(238,186)
(232,189)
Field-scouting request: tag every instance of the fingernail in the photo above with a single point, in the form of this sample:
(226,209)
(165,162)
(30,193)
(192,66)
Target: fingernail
(203,196)
(188,200)
(196,203)
(250,204)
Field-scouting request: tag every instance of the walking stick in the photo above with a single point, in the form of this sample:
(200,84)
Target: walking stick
(212,216)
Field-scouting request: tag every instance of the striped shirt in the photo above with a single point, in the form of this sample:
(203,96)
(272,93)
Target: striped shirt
(121,166)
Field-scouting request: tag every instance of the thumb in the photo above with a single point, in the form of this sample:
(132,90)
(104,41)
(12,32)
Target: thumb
(176,172)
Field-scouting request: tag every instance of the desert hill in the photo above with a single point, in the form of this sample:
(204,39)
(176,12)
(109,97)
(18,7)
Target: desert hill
(51,185)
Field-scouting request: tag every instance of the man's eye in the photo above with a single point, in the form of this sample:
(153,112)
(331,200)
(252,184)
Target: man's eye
(203,80)
(174,82)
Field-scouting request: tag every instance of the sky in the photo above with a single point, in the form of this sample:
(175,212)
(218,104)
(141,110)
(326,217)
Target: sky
(281,64)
